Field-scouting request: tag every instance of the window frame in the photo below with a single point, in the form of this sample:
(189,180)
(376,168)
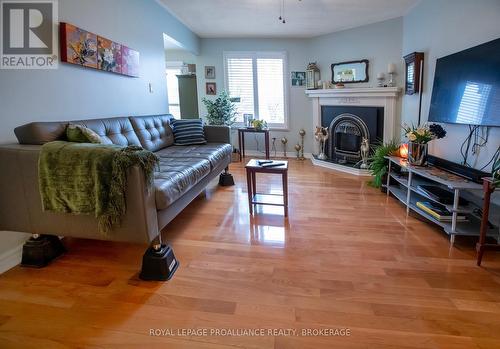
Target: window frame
(254,55)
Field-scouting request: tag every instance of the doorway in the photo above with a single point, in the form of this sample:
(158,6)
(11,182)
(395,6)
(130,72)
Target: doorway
(180,73)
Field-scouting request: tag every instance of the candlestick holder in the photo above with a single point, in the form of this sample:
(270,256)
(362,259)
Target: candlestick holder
(302,133)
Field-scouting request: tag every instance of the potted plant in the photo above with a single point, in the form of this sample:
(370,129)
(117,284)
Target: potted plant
(259,124)
(379,164)
(221,111)
(419,138)
(495,171)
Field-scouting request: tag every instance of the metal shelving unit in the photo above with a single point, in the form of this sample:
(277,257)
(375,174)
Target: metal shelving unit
(405,189)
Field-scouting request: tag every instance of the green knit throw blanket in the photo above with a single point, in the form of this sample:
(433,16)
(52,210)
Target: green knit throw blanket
(85,178)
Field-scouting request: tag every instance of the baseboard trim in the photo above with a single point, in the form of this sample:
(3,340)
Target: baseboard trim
(11,258)
(279,155)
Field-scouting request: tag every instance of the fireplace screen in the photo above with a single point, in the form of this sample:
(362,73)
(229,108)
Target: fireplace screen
(346,133)
(347,142)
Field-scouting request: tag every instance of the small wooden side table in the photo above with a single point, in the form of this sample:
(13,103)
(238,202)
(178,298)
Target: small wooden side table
(241,140)
(254,198)
(481,246)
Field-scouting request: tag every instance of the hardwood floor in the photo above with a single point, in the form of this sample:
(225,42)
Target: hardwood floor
(347,258)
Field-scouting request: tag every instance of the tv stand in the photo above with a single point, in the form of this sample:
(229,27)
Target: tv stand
(403,180)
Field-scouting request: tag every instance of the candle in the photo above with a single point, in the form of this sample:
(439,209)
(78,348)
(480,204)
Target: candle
(403,150)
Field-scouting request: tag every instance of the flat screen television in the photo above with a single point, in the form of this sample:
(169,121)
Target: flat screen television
(466,87)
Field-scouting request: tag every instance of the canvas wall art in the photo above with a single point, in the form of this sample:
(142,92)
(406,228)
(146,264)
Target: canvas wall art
(78,46)
(86,49)
(130,61)
(109,55)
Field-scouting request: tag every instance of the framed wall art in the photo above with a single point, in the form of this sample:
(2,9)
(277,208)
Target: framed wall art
(211,88)
(209,72)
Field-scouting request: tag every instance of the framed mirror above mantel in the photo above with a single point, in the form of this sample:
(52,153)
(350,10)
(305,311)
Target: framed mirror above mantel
(350,72)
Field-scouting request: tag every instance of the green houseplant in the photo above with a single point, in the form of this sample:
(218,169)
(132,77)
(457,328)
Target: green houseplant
(259,124)
(495,171)
(221,111)
(379,164)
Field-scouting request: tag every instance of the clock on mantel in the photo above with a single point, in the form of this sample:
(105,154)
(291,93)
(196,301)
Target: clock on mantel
(413,65)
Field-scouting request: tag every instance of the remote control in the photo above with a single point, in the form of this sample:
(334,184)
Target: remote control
(276,164)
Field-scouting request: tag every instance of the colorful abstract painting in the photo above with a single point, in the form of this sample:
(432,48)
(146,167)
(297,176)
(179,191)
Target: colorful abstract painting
(86,49)
(130,61)
(78,46)
(109,55)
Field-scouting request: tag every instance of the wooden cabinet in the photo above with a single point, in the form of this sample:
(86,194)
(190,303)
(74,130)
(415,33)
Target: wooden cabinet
(188,96)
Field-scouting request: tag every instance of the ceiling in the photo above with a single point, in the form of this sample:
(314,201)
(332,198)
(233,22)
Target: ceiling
(259,18)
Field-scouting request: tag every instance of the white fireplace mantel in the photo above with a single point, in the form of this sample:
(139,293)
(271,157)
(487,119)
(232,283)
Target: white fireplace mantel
(386,97)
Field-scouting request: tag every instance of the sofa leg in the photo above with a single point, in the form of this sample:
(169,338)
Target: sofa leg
(226,179)
(40,250)
(159,262)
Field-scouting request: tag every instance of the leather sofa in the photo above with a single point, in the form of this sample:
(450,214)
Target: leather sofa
(184,173)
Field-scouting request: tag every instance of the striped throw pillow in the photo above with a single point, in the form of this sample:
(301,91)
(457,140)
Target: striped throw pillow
(188,131)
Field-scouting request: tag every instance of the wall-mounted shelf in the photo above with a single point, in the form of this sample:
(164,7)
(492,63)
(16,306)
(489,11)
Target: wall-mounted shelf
(403,181)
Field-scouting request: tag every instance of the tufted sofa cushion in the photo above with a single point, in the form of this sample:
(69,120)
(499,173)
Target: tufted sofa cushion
(176,176)
(154,132)
(213,152)
(117,131)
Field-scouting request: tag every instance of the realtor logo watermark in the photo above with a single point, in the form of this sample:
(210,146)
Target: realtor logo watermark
(28,34)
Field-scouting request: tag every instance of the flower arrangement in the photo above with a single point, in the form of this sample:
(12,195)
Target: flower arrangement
(419,137)
(424,134)
(259,124)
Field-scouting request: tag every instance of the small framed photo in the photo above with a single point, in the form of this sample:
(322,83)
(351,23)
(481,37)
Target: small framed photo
(209,72)
(211,88)
(298,78)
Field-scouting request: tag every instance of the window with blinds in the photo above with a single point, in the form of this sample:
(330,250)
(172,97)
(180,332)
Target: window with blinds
(257,80)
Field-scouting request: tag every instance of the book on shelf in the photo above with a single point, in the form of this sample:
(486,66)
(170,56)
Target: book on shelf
(439,211)
(439,194)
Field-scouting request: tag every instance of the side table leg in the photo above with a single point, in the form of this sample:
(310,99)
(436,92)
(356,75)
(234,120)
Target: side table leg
(487,190)
(249,190)
(285,192)
(239,145)
(243,144)
(254,182)
(266,136)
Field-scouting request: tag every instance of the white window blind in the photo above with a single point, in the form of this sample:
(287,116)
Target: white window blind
(258,80)
(240,84)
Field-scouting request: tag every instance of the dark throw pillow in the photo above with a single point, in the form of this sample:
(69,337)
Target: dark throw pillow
(188,131)
(82,134)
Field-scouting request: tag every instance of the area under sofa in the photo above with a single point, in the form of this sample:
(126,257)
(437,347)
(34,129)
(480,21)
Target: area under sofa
(183,173)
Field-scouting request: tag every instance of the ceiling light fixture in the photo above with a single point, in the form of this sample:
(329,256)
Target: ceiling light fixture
(281,18)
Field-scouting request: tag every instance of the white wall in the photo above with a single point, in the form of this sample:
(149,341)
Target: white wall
(439,28)
(72,92)
(180,56)
(380,43)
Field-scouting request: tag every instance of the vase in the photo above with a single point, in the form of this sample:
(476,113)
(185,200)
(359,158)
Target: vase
(417,153)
